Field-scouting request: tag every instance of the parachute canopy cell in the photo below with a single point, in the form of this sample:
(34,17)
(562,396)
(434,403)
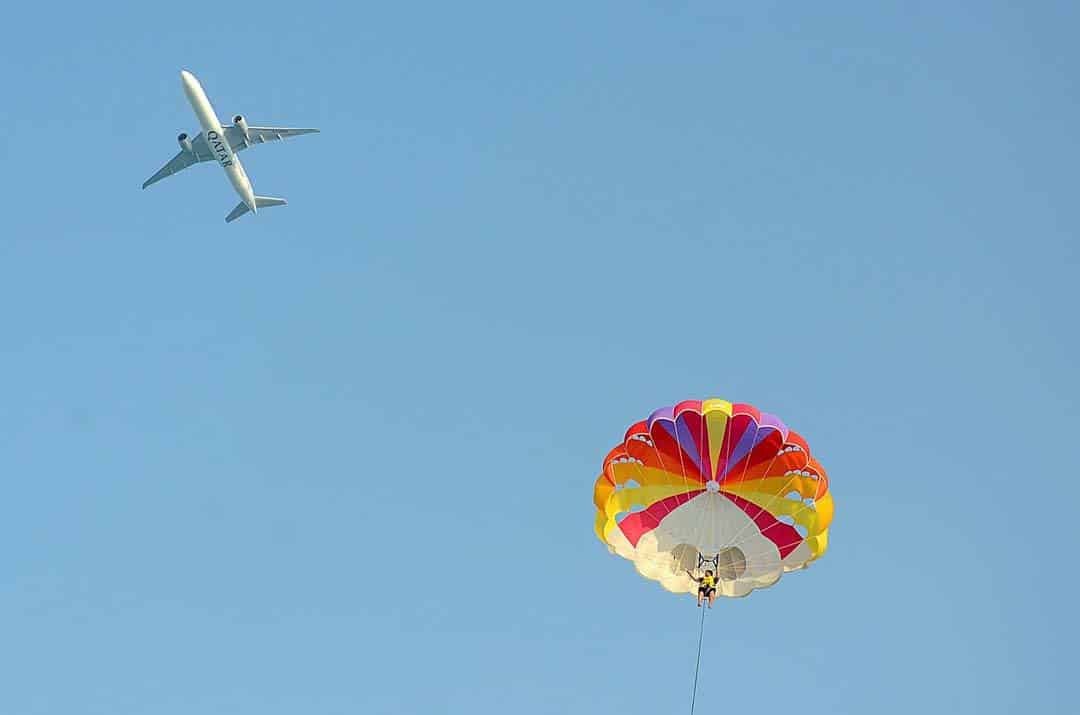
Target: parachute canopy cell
(713,485)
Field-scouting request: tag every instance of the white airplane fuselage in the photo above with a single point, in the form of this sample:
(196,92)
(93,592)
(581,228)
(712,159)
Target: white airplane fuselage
(215,139)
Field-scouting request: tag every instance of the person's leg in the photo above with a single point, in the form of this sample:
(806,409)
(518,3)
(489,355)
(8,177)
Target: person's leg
(699,595)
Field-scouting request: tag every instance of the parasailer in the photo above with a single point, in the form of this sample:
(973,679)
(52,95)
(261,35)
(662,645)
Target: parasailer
(706,587)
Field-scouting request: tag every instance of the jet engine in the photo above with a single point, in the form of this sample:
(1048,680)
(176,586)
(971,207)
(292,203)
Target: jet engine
(238,120)
(184,142)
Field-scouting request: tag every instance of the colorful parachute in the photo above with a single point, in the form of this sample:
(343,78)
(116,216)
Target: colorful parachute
(713,485)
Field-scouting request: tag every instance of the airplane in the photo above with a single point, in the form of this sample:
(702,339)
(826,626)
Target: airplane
(222,144)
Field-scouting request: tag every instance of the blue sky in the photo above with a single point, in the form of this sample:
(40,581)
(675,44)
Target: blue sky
(293,464)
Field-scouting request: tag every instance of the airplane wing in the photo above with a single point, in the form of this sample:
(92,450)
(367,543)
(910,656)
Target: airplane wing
(260,135)
(200,151)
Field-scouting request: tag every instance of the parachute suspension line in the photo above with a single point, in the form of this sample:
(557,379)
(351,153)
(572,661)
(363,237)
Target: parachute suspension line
(697,665)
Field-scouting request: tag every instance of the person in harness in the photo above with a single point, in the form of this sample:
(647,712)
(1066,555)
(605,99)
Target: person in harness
(706,587)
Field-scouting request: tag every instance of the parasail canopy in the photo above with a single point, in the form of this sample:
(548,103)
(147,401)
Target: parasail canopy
(713,485)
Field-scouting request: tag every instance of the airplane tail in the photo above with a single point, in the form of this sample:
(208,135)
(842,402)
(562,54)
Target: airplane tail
(260,202)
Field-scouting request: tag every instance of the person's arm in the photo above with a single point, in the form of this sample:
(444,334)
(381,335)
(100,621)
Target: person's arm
(692,576)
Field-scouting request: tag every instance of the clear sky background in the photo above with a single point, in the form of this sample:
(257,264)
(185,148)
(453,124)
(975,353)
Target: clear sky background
(338,458)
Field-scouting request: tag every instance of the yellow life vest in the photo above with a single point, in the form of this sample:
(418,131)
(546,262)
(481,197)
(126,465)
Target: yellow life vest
(708,582)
